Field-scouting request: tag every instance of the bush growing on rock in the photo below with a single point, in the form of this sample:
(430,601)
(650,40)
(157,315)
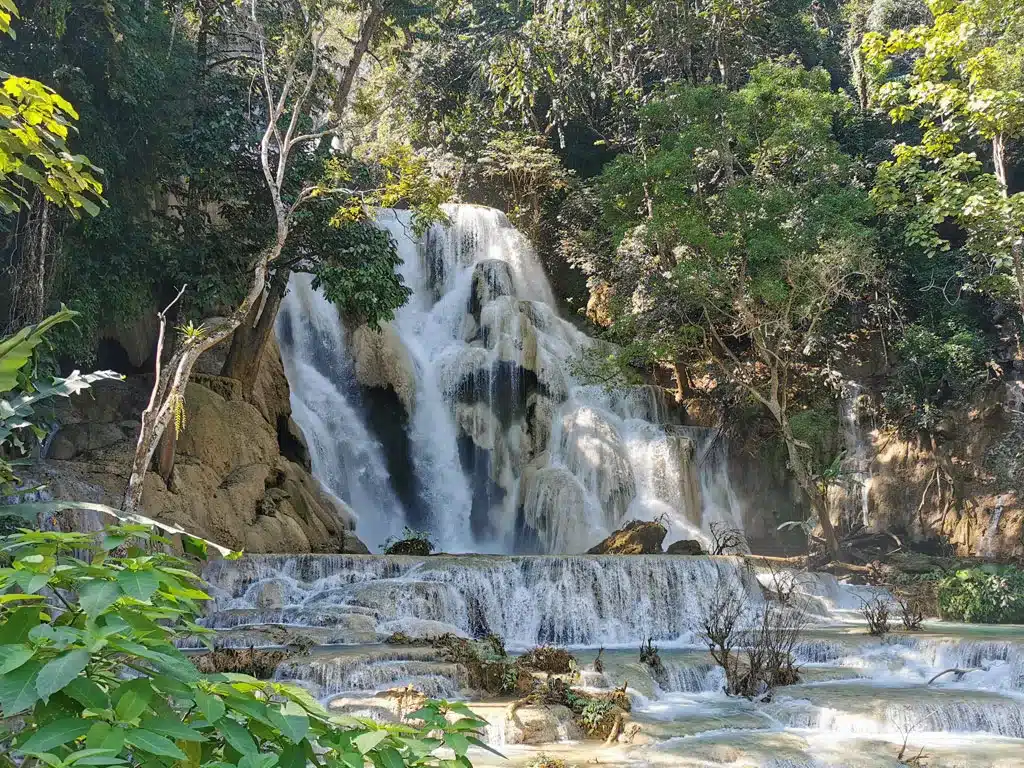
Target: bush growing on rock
(488,667)
(545,658)
(987,595)
(90,673)
(416,543)
(260,663)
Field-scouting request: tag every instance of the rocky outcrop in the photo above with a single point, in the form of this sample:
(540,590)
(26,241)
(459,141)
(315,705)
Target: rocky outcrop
(240,476)
(685,547)
(637,537)
(382,361)
(553,508)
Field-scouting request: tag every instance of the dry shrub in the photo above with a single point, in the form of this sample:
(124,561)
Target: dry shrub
(400,638)
(911,612)
(546,658)
(877,611)
(487,665)
(260,663)
(753,646)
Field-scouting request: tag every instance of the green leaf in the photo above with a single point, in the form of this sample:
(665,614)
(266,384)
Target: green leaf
(484,745)
(18,689)
(174,729)
(13,656)
(258,761)
(237,736)
(105,736)
(153,743)
(458,742)
(138,584)
(367,741)
(55,734)
(292,722)
(211,706)
(60,671)
(87,693)
(194,546)
(132,698)
(96,595)
(390,758)
(16,350)
(17,624)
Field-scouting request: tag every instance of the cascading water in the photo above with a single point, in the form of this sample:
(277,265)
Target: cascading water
(506,450)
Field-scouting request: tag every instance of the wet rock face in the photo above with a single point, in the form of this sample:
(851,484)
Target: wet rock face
(637,537)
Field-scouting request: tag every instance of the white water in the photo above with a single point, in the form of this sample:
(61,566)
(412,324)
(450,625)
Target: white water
(856,690)
(547,463)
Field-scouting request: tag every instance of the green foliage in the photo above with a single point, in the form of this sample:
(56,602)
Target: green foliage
(21,390)
(965,91)
(34,126)
(935,368)
(987,595)
(97,678)
(411,543)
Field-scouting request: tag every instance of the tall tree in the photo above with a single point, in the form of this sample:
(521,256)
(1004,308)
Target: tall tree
(965,89)
(305,78)
(739,235)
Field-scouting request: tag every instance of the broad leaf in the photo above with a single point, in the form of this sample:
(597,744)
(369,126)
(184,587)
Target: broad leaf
(13,656)
(212,707)
(138,584)
(18,689)
(96,595)
(55,734)
(367,741)
(153,743)
(174,729)
(237,736)
(60,671)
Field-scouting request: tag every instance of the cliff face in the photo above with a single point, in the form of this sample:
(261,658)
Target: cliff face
(241,474)
(963,486)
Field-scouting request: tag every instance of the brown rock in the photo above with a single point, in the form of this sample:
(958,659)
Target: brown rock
(637,537)
(685,547)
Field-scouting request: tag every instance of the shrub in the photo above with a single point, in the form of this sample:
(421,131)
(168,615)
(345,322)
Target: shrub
(987,595)
(416,543)
(876,611)
(545,658)
(89,666)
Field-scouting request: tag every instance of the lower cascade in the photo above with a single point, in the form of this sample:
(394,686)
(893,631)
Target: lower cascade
(857,699)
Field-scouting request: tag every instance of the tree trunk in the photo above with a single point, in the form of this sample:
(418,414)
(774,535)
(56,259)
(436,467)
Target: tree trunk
(1002,169)
(362,45)
(810,489)
(251,337)
(172,379)
(681,380)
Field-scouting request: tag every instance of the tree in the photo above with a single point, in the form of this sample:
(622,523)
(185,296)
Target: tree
(965,89)
(739,234)
(96,677)
(306,103)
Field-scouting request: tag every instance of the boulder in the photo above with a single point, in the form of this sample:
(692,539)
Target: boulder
(637,537)
(541,724)
(491,278)
(685,547)
(381,360)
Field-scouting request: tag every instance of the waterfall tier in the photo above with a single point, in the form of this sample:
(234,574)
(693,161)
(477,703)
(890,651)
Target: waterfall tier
(464,417)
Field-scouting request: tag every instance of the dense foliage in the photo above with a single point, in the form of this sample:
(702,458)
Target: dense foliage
(88,632)
(988,595)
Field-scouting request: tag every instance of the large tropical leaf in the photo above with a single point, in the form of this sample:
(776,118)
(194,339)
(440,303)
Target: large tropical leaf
(16,350)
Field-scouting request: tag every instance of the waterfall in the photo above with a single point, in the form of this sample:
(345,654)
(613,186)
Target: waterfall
(462,415)
(572,600)
(856,465)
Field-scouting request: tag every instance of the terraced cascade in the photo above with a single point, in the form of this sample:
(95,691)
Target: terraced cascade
(858,696)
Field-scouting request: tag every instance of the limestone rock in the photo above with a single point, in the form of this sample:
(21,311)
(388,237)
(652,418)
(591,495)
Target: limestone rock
(224,434)
(542,725)
(491,278)
(381,360)
(599,304)
(270,393)
(637,537)
(685,547)
(73,440)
